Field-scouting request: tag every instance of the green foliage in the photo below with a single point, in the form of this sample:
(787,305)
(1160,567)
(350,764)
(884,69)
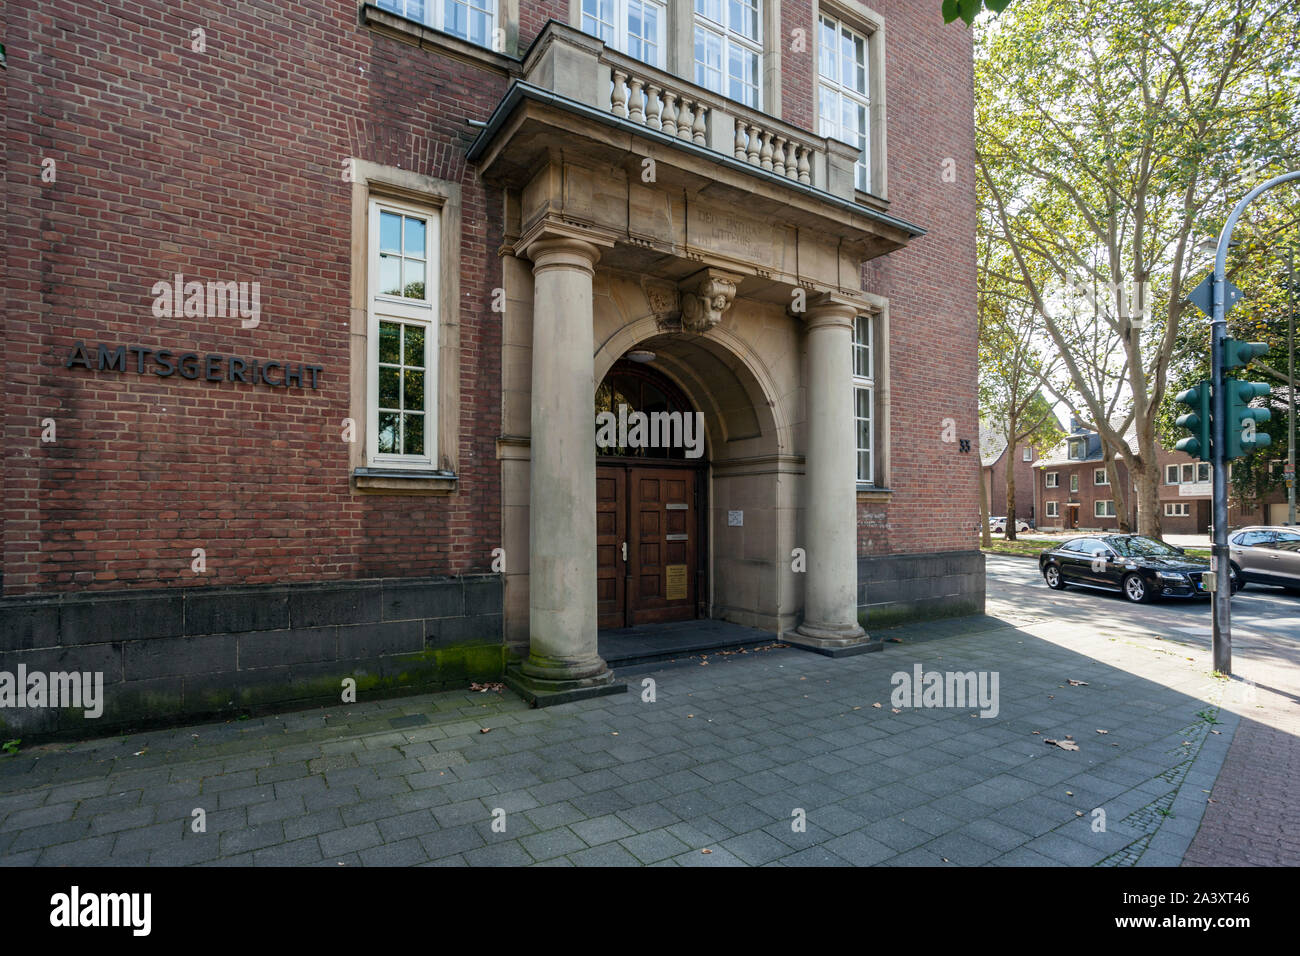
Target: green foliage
(968,10)
(10,746)
(1113,136)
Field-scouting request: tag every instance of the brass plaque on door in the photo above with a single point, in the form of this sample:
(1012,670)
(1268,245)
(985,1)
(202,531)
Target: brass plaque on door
(675,582)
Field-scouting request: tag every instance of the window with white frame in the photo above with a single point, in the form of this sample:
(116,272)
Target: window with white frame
(1074,482)
(472,20)
(1177,509)
(1078,449)
(402,342)
(634,26)
(844,90)
(1203,471)
(729,48)
(1027,455)
(1053,479)
(1189,474)
(1103,508)
(1053,509)
(864,398)
(1099,477)
(1171,474)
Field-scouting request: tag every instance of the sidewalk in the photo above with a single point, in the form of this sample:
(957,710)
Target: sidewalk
(724,759)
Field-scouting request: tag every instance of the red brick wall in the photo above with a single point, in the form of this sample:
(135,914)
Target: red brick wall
(220,165)
(225,165)
(997,483)
(930,286)
(1086,497)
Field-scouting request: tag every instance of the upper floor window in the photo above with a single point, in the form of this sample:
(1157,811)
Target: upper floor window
(1099,477)
(634,26)
(403,336)
(864,397)
(1027,455)
(472,20)
(1078,449)
(729,48)
(843,90)
(1052,479)
(1074,482)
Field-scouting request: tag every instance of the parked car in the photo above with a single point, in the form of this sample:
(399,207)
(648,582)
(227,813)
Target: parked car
(1267,555)
(999,525)
(1141,568)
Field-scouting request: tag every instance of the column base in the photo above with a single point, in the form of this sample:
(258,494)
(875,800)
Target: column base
(548,691)
(833,640)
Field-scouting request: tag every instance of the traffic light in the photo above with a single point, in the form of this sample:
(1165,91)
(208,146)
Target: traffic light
(1197,421)
(1240,435)
(1237,353)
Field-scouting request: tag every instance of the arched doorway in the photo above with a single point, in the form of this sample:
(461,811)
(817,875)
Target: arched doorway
(650,512)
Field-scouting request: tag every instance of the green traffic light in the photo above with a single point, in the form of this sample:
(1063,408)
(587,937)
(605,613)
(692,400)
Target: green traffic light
(1196,421)
(1237,353)
(1241,435)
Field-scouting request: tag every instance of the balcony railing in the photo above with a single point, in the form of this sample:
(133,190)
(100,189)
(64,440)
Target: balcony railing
(580,67)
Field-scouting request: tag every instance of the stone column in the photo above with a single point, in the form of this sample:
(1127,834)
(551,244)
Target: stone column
(563,663)
(830,485)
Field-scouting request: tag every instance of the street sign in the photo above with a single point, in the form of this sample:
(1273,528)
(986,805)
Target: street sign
(1203,296)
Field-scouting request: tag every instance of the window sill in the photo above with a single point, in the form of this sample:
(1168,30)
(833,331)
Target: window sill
(427,38)
(871,493)
(401,481)
(871,199)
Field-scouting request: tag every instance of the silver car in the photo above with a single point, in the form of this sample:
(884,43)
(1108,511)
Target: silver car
(1267,555)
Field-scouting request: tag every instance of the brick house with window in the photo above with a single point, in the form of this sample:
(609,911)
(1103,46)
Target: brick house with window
(310,308)
(1073,489)
(993,452)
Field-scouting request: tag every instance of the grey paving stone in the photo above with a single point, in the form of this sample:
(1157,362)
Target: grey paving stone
(609,854)
(409,852)
(552,843)
(294,853)
(755,848)
(508,853)
(603,829)
(349,839)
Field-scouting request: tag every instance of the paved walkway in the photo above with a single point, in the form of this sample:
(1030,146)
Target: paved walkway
(767,757)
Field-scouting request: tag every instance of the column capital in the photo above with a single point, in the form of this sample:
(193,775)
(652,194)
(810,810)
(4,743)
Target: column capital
(551,243)
(831,309)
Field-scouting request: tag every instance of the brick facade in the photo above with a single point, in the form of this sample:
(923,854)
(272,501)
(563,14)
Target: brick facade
(226,163)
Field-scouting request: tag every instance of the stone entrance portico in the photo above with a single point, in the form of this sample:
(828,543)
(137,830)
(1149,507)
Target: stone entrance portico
(741,274)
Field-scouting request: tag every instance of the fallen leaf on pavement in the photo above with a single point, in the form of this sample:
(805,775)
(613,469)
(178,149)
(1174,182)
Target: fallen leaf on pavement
(1103,731)
(877,705)
(1078,683)
(706,851)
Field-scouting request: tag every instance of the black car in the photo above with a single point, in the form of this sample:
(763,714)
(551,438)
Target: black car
(1142,568)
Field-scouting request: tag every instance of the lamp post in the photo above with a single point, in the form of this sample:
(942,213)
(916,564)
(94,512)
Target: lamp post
(1221,597)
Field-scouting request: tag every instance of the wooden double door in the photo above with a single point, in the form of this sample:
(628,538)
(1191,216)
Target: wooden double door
(647,543)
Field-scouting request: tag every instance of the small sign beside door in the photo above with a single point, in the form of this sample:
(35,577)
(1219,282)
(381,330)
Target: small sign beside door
(735,519)
(675,582)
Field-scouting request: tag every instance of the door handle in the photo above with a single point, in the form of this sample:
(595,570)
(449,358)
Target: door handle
(624,550)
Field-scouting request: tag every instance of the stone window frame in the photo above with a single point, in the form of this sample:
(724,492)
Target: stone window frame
(877,307)
(663,41)
(679,59)
(443,199)
(506,35)
(1053,508)
(730,37)
(861,18)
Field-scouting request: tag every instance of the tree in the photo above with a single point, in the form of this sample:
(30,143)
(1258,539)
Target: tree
(1012,370)
(1111,137)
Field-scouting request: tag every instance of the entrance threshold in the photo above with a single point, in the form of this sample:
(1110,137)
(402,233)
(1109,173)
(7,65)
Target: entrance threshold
(645,643)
